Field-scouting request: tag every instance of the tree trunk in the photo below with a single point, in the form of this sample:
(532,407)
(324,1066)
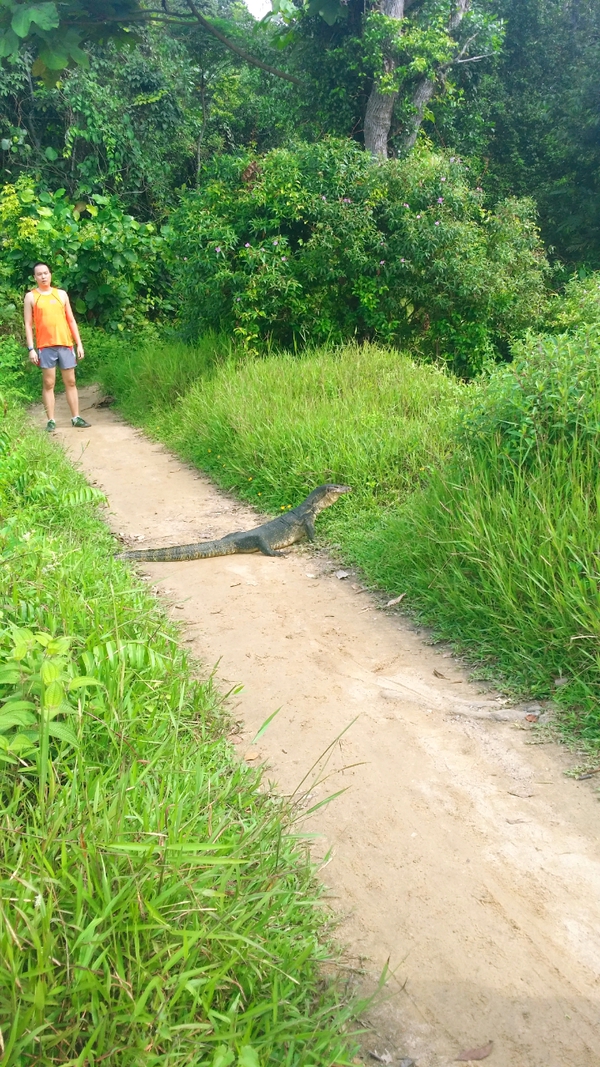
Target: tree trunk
(378,116)
(426,88)
(380,106)
(423,95)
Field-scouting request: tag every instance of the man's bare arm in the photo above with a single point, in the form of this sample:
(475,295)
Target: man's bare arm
(28,319)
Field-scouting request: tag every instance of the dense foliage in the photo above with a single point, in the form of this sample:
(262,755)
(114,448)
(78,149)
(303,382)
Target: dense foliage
(531,117)
(320,243)
(104,257)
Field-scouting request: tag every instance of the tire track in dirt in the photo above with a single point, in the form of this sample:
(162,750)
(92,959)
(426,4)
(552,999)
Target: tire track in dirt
(458,850)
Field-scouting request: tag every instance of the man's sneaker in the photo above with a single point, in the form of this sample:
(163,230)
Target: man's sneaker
(50,426)
(79,422)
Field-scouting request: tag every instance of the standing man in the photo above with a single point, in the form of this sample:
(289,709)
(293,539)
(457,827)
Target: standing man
(49,311)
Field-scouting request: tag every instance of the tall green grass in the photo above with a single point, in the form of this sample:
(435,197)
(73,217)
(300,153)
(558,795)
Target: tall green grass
(155,905)
(508,570)
(273,428)
(479,503)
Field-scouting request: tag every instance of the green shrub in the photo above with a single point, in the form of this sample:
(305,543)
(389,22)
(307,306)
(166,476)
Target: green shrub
(103,257)
(579,305)
(320,243)
(500,551)
(549,395)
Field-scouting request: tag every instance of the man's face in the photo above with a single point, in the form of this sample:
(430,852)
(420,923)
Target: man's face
(42,276)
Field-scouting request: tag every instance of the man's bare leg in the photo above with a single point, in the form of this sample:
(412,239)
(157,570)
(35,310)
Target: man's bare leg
(48,380)
(68,377)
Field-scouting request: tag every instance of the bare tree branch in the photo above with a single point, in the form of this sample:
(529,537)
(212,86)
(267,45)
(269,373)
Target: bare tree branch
(253,60)
(169,18)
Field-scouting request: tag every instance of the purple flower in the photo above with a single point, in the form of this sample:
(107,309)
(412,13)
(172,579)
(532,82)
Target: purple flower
(218,248)
(418,216)
(405,205)
(275,242)
(283,259)
(452,158)
(479,189)
(403,260)
(443,179)
(323,197)
(381,262)
(436,223)
(440,199)
(346,200)
(247,245)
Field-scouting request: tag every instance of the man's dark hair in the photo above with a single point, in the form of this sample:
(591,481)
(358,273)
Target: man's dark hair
(40,264)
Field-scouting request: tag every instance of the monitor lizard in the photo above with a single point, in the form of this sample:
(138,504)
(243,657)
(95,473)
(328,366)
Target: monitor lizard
(279,533)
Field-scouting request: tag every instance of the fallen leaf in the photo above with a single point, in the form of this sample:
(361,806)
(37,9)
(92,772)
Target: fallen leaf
(476,1053)
(384,1057)
(532,718)
(342,574)
(396,600)
(560,681)
(251,755)
(439,674)
(310,575)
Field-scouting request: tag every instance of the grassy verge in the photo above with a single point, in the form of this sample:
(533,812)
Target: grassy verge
(491,530)
(154,905)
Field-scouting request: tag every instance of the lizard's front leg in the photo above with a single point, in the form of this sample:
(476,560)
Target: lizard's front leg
(309,526)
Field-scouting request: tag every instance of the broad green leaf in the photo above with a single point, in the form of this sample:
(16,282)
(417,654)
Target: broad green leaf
(223,1057)
(81,680)
(20,744)
(9,43)
(55,57)
(16,705)
(45,16)
(50,154)
(49,671)
(62,732)
(248,1057)
(54,694)
(9,675)
(57,646)
(16,718)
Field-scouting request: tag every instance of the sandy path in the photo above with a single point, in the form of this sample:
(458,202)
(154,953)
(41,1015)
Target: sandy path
(459,850)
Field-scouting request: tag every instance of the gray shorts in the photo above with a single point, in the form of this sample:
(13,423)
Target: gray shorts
(57,354)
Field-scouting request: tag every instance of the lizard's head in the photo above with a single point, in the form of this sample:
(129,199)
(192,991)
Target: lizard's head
(326,495)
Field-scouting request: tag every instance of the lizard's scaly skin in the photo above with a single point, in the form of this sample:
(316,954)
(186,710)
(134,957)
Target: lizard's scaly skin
(269,538)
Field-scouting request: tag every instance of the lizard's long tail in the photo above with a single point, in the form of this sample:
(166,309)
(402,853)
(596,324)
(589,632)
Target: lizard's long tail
(202,550)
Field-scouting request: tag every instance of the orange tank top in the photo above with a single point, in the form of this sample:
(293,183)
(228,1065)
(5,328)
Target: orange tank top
(50,320)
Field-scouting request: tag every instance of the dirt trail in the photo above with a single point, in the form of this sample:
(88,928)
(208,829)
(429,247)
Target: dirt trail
(459,849)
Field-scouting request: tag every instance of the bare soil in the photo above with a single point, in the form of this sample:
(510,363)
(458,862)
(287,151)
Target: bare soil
(459,850)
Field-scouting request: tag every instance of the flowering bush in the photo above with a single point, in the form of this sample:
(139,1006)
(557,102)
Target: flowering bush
(321,243)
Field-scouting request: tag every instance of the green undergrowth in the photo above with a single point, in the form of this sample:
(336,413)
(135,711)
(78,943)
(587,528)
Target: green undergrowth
(479,503)
(272,428)
(156,904)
